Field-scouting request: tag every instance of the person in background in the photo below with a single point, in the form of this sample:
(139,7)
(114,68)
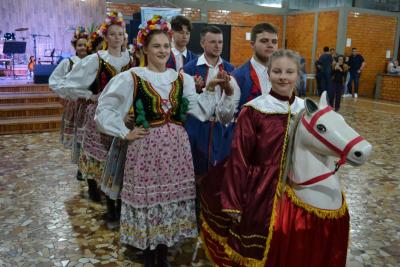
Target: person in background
(356,65)
(346,88)
(339,74)
(180,55)
(393,67)
(251,79)
(70,114)
(333,53)
(86,82)
(302,87)
(207,139)
(325,66)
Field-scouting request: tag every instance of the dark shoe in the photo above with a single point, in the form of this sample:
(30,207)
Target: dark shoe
(162,253)
(94,193)
(149,258)
(110,210)
(118,209)
(79,176)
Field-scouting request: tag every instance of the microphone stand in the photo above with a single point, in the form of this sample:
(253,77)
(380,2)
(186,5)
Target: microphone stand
(34,43)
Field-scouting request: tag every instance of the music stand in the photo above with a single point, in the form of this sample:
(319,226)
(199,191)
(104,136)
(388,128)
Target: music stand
(14,47)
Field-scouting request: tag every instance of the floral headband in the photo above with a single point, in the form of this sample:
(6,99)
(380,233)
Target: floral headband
(94,38)
(115,18)
(80,32)
(156,23)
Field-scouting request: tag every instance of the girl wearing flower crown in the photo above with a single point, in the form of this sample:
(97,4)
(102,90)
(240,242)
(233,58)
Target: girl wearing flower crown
(79,43)
(158,194)
(85,82)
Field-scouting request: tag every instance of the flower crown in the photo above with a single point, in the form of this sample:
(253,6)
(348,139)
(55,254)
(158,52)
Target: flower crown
(93,38)
(156,23)
(80,32)
(115,18)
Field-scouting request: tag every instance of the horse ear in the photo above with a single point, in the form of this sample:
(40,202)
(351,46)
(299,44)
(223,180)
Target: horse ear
(323,101)
(310,106)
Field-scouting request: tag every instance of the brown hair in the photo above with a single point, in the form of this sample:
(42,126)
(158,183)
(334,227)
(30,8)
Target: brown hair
(262,27)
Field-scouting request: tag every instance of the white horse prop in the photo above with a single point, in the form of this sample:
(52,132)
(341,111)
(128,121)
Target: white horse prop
(309,225)
(312,224)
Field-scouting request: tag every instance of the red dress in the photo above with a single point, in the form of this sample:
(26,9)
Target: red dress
(249,183)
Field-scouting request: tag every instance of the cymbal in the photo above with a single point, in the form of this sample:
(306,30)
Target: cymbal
(21,29)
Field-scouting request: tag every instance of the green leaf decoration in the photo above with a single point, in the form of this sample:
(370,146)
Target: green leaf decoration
(141,118)
(184,107)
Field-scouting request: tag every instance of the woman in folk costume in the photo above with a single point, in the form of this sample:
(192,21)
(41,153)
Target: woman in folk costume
(239,196)
(79,42)
(158,194)
(86,82)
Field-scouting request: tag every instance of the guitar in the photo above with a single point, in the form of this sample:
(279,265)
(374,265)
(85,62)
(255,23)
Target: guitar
(31,63)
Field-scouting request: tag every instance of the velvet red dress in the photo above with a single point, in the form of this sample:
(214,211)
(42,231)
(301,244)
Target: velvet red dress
(248,183)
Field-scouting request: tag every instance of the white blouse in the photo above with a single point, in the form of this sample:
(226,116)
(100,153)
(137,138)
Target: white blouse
(265,83)
(78,81)
(58,75)
(117,98)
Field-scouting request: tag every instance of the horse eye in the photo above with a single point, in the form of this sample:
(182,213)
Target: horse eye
(321,128)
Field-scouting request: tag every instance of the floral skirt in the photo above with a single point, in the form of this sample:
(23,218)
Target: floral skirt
(78,131)
(94,143)
(90,167)
(158,194)
(68,120)
(167,224)
(113,174)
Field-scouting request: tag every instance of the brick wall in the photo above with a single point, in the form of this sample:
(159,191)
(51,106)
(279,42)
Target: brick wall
(390,88)
(371,35)
(242,22)
(327,31)
(299,35)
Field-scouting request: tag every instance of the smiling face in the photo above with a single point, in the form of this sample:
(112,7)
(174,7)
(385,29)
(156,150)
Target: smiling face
(81,47)
(284,73)
(212,44)
(157,49)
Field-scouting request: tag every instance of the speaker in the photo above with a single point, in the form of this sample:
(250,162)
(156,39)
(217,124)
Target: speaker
(41,73)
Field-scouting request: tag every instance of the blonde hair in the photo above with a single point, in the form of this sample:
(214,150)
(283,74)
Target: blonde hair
(285,53)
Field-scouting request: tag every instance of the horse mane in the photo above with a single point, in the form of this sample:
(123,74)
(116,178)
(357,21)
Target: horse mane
(290,147)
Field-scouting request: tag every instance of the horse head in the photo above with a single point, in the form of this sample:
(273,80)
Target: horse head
(322,142)
(327,133)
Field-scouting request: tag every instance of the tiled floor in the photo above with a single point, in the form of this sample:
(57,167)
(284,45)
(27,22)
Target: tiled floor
(47,220)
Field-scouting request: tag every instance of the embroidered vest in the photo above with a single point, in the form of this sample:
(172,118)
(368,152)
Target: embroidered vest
(104,74)
(148,103)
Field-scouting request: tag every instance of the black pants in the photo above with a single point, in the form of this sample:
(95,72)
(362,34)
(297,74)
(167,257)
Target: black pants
(326,82)
(335,95)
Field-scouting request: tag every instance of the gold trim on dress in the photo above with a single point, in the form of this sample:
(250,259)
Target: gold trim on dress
(235,256)
(320,213)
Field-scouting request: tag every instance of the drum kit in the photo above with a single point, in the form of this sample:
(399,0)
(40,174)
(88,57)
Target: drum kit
(13,46)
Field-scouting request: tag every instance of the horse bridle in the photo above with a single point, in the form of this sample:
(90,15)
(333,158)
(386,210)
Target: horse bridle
(310,126)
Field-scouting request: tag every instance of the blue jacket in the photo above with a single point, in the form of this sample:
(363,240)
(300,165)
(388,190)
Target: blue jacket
(210,140)
(246,83)
(171,63)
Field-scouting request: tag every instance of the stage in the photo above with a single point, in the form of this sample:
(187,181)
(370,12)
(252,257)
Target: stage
(26,107)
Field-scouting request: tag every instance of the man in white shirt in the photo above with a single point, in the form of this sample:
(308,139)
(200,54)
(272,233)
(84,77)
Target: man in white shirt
(211,72)
(180,55)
